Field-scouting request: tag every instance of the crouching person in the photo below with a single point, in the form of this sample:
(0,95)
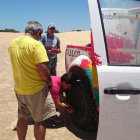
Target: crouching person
(30,74)
(60,85)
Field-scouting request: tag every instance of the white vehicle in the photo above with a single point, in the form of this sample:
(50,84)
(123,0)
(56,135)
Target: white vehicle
(112,64)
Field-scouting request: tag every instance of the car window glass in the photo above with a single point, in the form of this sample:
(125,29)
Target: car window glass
(121,21)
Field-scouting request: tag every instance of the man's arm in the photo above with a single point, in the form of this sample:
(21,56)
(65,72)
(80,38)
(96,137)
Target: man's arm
(45,73)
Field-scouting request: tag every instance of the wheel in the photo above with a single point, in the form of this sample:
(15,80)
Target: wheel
(81,98)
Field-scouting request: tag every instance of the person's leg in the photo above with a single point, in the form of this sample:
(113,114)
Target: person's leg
(41,107)
(23,117)
(39,130)
(22,126)
(53,66)
(54,70)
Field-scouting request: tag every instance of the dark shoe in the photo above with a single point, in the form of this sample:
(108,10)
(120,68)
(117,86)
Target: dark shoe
(14,129)
(56,119)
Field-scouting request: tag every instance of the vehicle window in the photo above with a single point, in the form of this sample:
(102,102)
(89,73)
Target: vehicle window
(121,21)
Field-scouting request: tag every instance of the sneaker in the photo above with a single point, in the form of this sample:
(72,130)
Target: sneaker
(56,119)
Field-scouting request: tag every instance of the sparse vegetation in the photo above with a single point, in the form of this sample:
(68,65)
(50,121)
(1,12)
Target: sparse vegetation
(77,30)
(9,30)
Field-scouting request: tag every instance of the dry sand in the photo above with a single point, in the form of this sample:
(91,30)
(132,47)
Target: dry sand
(8,103)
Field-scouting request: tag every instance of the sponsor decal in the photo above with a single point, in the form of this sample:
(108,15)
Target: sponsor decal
(73,53)
(108,17)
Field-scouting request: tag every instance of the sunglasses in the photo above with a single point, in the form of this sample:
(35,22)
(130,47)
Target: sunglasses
(52,28)
(40,34)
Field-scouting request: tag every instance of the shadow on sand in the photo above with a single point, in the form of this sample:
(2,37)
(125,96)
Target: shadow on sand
(68,123)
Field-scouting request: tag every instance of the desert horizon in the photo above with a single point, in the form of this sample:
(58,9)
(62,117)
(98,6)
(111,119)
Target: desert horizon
(8,102)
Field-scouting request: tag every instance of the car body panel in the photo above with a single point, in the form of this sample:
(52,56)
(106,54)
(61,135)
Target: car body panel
(116,68)
(119,113)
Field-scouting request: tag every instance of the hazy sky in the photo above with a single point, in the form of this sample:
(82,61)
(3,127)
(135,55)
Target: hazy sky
(66,14)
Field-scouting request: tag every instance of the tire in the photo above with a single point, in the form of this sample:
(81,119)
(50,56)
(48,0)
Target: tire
(81,98)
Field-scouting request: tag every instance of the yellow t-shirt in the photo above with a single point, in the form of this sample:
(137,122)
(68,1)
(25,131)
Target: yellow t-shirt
(25,52)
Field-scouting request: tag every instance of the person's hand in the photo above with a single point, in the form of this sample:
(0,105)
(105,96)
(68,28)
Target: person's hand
(49,51)
(70,110)
(53,51)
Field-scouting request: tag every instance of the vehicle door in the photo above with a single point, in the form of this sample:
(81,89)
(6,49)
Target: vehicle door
(115,26)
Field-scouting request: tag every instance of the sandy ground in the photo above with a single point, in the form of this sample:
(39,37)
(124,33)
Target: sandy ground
(8,103)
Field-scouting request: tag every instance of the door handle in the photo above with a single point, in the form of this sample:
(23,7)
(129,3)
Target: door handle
(116,90)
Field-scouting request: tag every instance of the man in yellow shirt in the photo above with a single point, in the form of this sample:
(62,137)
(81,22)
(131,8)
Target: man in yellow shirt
(28,57)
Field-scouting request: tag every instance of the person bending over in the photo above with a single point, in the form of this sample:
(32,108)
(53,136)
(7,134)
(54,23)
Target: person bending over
(60,85)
